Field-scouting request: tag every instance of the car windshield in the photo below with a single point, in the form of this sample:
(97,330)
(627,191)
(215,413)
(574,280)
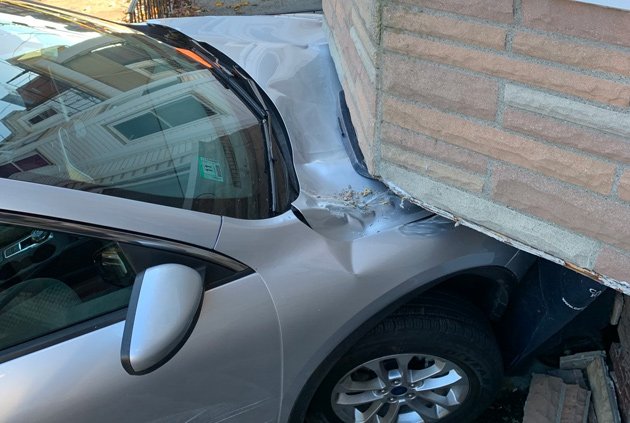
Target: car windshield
(118,113)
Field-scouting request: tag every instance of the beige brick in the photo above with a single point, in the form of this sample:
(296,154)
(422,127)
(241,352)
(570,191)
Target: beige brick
(497,65)
(576,403)
(624,186)
(435,170)
(578,19)
(362,34)
(353,64)
(362,116)
(436,149)
(568,110)
(615,264)
(364,55)
(367,9)
(440,87)
(557,131)
(544,399)
(551,161)
(343,10)
(496,10)
(545,198)
(358,83)
(574,54)
(366,140)
(328,7)
(445,27)
(603,391)
(364,103)
(365,96)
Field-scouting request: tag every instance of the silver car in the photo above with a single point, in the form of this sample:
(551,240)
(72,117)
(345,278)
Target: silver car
(187,234)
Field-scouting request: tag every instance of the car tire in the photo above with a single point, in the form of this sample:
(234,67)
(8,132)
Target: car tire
(440,341)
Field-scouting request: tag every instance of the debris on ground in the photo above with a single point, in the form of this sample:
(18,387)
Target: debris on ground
(551,400)
(621,377)
(366,192)
(604,397)
(580,360)
(357,199)
(182,8)
(580,391)
(236,7)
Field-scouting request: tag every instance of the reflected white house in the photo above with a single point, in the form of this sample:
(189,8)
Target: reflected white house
(120,112)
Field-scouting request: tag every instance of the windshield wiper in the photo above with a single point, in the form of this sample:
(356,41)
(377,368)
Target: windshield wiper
(255,103)
(266,122)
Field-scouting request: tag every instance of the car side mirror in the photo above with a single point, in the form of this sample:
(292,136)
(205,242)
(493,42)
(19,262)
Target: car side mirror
(163,309)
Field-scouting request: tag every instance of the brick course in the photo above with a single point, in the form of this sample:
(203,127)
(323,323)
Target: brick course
(496,10)
(446,27)
(434,148)
(434,169)
(562,133)
(443,88)
(552,161)
(613,263)
(553,78)
(597,57)
(582,212)
(578,19)
(521,104)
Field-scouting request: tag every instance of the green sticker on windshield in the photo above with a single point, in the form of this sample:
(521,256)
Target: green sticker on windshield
(209,169)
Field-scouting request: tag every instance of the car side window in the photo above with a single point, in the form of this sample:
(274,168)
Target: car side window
(52,280)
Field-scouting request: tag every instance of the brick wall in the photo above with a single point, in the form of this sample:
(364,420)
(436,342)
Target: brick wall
(510,115)
(355,26)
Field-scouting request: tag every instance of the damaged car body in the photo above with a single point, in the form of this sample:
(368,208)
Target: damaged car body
(184,237)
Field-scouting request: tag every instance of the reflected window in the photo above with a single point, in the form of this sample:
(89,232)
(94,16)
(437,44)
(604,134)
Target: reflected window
(123,54)
(31,162)
(176,113)
(42,116)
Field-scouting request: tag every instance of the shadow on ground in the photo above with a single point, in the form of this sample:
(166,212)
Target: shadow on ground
(507,408)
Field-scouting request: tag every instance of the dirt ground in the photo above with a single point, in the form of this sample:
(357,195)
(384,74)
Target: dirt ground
(260,7)
(116,10)
(113,10)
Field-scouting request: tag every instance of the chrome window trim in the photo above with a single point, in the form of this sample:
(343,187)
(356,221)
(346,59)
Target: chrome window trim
(83,229)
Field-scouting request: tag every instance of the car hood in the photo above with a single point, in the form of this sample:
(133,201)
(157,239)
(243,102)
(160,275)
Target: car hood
(288,56)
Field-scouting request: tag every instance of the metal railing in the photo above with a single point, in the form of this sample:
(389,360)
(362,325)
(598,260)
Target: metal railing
(142,10)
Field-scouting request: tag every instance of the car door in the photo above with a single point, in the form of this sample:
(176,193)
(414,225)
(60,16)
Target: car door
(64,291)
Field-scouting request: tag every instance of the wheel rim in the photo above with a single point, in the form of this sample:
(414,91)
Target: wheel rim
(402,388)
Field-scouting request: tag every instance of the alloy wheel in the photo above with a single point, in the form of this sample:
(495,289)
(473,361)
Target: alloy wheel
(403,388)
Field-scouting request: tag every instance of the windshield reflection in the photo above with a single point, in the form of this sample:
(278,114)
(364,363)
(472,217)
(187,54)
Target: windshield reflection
(122,114)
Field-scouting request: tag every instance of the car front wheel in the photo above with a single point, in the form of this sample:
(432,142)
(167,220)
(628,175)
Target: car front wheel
(432,361)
